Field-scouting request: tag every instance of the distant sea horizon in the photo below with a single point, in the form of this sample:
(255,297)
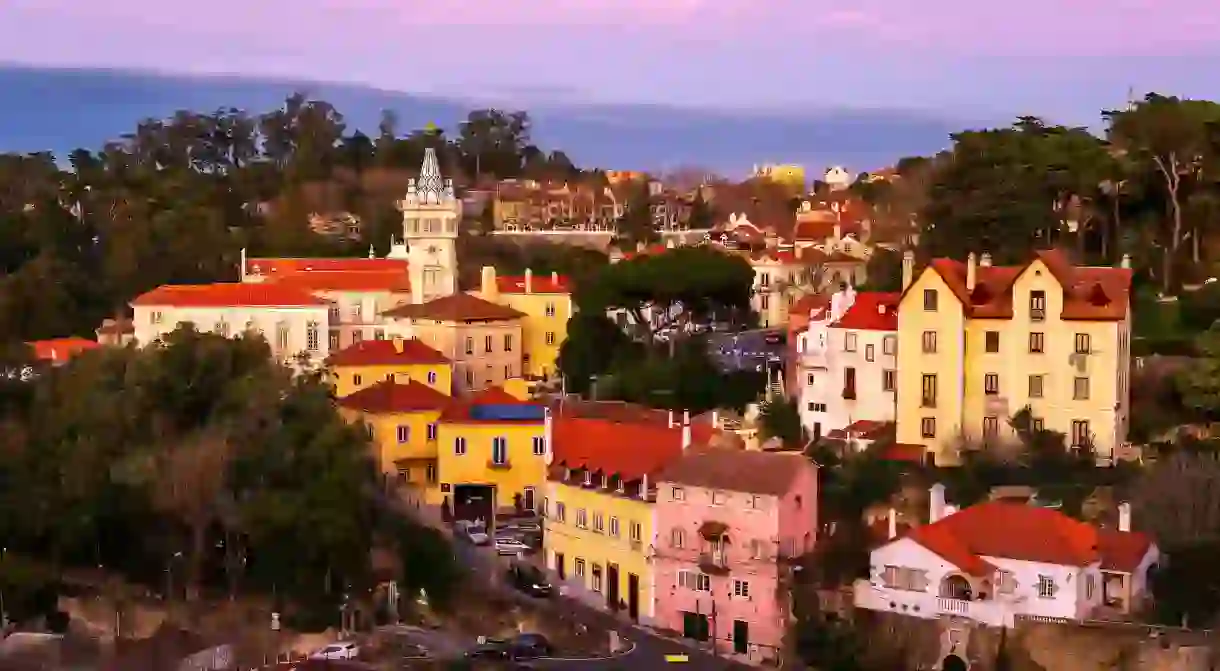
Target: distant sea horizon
(61,109)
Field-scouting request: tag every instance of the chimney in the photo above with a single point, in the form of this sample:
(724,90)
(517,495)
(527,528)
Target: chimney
(685,436)
(838,232)
(936,503)
(985,260)
(487,284)
(908,269)
(548,435)
(555,280)
(972,271)
(640,247)
(644,487)
(1124,517)
(242,270)
(686,418)
(1125,263)
(893,519)
(715,419)
(671,419)
(529,281)
(397,344)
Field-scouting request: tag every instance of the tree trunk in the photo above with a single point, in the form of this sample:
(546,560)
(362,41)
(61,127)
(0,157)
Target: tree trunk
(194,571)
(1173,180)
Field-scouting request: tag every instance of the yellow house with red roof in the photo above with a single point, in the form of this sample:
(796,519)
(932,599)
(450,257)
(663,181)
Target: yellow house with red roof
(402,417)
(398,359)
(978,343)
(545,301)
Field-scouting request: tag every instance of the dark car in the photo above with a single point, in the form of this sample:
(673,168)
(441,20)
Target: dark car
(522,646)
(529,579)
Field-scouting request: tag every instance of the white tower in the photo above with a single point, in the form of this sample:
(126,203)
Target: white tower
(431,215)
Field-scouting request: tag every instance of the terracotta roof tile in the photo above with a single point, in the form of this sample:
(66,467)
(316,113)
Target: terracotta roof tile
(752,471)
(386,353)
(808,303)
(459,307)
(629,450)
(872,311)
(286,266)
(228,294)
(1122,551)
(392,397)
(539,284)
(58,350)
(393,281)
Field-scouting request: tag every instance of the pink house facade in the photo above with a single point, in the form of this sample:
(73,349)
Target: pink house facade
(727,521)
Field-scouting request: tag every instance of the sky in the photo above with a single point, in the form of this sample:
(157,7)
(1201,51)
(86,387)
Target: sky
(1063,59)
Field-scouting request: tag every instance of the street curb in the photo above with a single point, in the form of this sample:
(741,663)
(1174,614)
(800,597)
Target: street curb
(622,653)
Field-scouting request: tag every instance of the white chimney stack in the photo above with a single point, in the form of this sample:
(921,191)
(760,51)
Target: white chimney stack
(671,419)
(908,269)
(555,278)
(893,519)
(1126,262)
(972,271)
(686,417)
(529,281)
(1124,517)
(686,434)
(985,260)
(715,419)
(936,503)
(548,434)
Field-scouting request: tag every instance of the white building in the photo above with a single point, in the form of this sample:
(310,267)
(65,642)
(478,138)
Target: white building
(848,361)
(996,561)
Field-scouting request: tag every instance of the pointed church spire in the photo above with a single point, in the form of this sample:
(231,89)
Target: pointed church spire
(431,187)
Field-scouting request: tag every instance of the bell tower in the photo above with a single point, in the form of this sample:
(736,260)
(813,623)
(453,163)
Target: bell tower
(431,215)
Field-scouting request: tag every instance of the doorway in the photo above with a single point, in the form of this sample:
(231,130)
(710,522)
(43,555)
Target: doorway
(695,626)
(633,596)
(612,600)
(953,663)
(474,502)
(559,566)
(741,637)
(529,499)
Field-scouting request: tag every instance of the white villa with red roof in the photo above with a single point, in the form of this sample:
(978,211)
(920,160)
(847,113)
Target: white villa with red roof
(997,561)
(847,365)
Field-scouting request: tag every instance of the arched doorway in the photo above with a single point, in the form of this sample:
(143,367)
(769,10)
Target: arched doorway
(955,587)
(953,663)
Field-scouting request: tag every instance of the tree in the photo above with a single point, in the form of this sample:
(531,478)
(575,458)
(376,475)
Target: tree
(1199,384)
(781,419)
(636,226)
(1178,499)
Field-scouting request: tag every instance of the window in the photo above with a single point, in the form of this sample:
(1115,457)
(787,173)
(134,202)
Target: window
(431,431)
(1046,587)
(357,336)
(677,537)
(1038,424)
(597,578)
(889,380)
(1037,306)
(741,588)
(992,341)
(459,445)
(636,531)
(469,345)
(809,379)
(508,371)
(699,582)
(561,511)
(580,567)
(756,549)
(404,433)
(1080,389)
(334,335)
(849,342)
(929,342)
(889,345)
(487,344)
(599,523)
(379,334)
(222,327)
(719,498)
(678,494)
(1037,342)
(929,300)
(469,378)
(430,473)
(1083,343)
(582,519)
(869,352)
(901,577)
(154,317)
(1035,386)
(614,527)
(991,384)
(357,380)
(499,450)
(539,445)
(281,335)
(1005,583)
(849,383)
(991,428)
(550,309)
(431,377)
(311,336)
(1089,586)
(927,427)
(1081,436)
(550,337)
(816,407)
(928,397)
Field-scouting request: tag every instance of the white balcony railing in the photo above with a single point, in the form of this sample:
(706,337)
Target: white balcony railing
(928,606)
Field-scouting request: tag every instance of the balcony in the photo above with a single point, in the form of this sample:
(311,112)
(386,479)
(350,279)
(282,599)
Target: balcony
(930,607)
(713,563)
(849,393)
(494,465)
(927,402)
(1037,314)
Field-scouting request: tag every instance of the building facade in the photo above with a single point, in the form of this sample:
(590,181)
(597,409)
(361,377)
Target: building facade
(403,420)
(545,303)
(368,362)
(431,218)
(727,523)
(980,343)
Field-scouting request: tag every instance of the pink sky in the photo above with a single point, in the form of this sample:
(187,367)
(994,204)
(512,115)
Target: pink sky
(736,52)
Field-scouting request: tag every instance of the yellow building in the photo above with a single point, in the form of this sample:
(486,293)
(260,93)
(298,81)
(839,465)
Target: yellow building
(370,361)
(402,417)
(491,454)
(599,506)
(545,302)
(790,175)
(978,343)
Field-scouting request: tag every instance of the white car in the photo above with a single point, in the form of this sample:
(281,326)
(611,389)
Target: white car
(478,537)
(510,546)
(338,651)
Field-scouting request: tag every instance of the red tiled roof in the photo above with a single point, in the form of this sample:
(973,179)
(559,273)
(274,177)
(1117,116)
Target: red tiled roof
(808,303)
(459,411)
(227,294)
(1022,532)
(911,452)
(629,450)
(872,311)
(60,349)
(395,281)
(386,353)
(862,427)
(286,266)
(539,284)
(459,307)
(1122,551)
(389,397)
(1090,293)
(752,471)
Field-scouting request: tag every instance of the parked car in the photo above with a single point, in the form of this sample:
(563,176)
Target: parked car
(522,646)
(529,579)
(507,545)
(524,526)
(346,650)
(473,532)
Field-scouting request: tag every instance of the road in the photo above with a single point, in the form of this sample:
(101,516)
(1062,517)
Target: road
(649,652)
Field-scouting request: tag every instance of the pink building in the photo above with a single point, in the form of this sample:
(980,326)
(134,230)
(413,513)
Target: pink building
(726,522)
